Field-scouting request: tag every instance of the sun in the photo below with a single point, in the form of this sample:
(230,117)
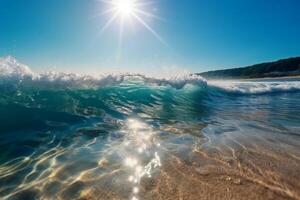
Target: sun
(124,7)
(125,10)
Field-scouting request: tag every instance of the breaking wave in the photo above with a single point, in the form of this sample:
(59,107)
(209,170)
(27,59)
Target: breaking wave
(254,87)
(19,75)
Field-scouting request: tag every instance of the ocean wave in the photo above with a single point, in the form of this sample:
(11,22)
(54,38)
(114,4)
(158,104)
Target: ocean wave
(13,72)
(177,82)
(251,87)
(10,67)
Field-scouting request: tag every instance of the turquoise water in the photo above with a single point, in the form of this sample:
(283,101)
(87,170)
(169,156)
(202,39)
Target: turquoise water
(62,142)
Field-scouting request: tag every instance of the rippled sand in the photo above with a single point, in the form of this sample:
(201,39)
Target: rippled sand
(239,168)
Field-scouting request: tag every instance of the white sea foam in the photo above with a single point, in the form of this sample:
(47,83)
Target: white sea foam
(76,80)
(10,67)
(178,81)
(11,71)
(253,87)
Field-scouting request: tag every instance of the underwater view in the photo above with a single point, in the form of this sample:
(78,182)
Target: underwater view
(135,137)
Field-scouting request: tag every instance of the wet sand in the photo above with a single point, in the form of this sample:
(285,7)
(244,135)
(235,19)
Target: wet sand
(216,179)
(239,167)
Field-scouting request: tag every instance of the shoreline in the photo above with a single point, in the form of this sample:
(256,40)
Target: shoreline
(288,78)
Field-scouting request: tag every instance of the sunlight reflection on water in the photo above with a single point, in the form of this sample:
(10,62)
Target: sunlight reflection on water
(135,151)
(142,140)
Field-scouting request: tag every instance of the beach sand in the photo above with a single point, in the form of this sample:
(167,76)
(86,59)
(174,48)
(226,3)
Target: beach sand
(238,168)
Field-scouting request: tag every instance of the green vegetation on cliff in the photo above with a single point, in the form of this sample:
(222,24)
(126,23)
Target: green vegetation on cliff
(280,68)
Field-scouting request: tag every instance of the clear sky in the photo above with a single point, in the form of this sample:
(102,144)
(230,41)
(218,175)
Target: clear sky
(200,34)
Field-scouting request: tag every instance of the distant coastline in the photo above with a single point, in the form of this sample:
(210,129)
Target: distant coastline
(281,69)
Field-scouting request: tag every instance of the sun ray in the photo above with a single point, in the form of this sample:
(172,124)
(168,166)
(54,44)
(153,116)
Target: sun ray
(144,3)
(108,11)
(120,42)
(103,13)
(126,10)
(108,23)
(149,14)
(150,29)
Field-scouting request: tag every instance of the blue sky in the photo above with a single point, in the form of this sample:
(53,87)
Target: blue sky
(200,34)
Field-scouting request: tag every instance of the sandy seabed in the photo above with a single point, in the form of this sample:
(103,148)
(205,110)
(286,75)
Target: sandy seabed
(239,167)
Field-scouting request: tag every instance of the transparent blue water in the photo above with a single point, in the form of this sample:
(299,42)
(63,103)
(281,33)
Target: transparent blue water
(65,143)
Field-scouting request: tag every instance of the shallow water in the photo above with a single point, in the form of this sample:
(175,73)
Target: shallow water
(147,139)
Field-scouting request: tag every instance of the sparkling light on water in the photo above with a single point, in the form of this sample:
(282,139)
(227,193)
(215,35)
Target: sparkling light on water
(141,140)
(131,162)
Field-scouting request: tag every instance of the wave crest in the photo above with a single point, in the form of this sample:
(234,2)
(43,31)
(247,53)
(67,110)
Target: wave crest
(177,82)
(10,67)
(14,73)
(11,71)
(251,87)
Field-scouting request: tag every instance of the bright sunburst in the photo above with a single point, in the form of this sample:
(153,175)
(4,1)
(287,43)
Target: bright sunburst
(126,10)
(124,7)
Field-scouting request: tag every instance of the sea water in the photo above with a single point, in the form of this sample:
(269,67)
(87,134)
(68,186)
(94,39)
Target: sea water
(137,137)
